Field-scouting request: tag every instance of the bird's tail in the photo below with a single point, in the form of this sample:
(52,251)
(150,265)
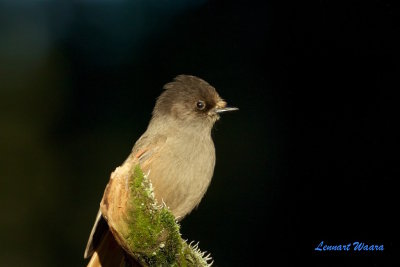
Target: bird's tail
(108,253)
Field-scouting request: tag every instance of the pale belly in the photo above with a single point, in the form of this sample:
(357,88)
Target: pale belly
(181,176)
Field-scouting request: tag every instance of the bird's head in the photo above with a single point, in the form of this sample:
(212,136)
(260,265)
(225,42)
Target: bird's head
(190,99)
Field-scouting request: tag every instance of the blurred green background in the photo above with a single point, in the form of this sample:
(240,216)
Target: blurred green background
(309,157)
(79,80)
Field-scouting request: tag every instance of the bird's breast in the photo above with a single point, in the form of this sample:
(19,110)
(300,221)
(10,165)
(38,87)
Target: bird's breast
(182,172)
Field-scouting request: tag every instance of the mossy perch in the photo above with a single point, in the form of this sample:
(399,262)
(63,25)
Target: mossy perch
(148,232)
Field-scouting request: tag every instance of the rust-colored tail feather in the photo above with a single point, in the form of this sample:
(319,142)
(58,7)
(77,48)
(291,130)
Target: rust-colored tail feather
(108,253)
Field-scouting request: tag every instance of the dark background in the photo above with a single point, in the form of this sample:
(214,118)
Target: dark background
(312,155)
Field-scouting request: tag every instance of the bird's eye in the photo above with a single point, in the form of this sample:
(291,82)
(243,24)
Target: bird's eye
(200,105)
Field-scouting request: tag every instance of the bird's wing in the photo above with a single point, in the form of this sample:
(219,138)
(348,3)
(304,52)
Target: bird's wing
(144,151)
(147,148)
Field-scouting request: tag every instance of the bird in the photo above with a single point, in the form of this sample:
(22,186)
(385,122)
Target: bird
(177,154)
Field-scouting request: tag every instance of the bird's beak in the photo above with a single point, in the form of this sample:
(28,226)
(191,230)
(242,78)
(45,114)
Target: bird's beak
(220,110)
(221,107)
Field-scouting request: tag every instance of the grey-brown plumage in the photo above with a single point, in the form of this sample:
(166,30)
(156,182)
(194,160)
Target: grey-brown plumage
(176,152)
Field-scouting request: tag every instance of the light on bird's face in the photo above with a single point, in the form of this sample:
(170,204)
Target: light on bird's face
(221,107)
(190,100)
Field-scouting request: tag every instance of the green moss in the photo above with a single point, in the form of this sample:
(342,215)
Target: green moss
(151,232)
